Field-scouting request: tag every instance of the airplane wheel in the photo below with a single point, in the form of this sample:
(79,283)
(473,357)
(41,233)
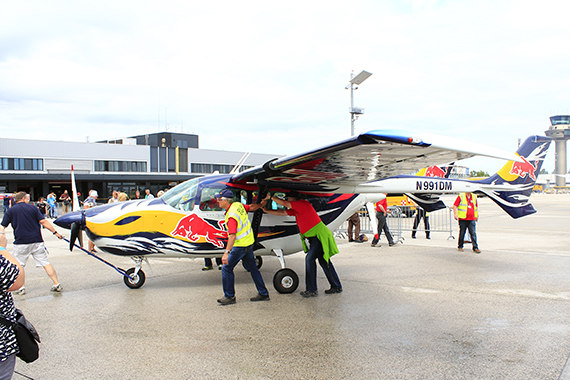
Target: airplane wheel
(285,281)
(136,281)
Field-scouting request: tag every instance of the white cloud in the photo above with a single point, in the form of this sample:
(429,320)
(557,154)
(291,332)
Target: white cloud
(273,75)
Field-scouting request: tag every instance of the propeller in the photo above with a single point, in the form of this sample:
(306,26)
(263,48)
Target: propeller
(75,231)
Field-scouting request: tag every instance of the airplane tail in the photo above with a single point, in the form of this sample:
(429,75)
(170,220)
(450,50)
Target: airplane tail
(512,185)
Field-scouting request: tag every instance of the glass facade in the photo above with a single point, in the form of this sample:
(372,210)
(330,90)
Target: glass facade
(210,168)
(28,164)
(120,166)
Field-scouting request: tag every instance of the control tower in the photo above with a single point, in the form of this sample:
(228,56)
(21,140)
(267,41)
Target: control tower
(559,130)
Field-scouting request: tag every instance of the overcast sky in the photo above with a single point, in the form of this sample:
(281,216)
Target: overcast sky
(270,77)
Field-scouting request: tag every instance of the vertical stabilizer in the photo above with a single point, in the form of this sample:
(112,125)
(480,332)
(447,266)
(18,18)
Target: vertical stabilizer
(516,179)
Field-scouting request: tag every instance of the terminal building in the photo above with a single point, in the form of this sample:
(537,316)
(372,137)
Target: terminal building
(155,161)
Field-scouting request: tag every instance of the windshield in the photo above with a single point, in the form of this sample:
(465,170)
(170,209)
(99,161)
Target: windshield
(182,196)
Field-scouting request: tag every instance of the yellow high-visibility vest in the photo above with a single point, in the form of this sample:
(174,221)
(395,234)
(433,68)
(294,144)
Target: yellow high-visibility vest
(244,233)
(462,208)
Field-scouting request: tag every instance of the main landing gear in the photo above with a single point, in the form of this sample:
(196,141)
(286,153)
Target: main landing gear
(285,280)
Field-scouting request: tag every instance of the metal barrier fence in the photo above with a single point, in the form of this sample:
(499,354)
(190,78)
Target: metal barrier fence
(401,220)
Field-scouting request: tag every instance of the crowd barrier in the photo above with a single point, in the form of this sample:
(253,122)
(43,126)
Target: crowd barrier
(401,222)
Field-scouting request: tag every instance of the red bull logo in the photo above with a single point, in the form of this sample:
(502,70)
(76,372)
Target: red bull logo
(521,169)
(194,228)
(435,171)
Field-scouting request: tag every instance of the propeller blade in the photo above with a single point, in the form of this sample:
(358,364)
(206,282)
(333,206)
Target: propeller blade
(75,231)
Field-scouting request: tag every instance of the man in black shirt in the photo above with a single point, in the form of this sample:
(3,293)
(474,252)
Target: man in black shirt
(26,220)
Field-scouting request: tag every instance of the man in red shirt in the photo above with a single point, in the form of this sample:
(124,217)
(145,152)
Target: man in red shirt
(381,215)
(321,243)
(466,211)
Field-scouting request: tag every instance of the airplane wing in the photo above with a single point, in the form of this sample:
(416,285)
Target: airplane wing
(367,157)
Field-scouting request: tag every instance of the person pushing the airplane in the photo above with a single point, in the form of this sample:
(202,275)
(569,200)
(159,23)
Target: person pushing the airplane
(321,242)
(239,247)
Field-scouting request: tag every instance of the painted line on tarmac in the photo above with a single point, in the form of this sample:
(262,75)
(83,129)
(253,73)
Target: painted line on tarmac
(565,374)
(535,294)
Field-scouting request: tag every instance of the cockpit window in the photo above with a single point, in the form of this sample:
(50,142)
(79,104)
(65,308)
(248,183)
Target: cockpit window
(182,196)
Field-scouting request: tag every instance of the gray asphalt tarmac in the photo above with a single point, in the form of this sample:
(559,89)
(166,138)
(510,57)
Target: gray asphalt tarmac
(420,310)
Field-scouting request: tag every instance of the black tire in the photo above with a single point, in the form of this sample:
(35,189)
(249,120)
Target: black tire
(285,281)
(137,281)
(258,262)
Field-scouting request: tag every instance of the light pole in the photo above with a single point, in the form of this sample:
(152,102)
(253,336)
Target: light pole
(355,111)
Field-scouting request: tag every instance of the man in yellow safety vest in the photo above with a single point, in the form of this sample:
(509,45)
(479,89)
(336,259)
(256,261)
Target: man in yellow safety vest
(466,211)
(239,247)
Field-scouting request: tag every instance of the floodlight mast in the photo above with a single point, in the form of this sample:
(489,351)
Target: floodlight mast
(355,111)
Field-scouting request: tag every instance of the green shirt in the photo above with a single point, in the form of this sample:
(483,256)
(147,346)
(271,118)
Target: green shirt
(325,236)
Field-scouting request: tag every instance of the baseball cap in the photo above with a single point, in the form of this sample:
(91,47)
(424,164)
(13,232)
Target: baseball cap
(225,194)
(93,193)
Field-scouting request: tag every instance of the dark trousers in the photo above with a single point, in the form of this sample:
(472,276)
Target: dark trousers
(382,226)
(421,214)
(316,253)
(208,261)
(467,225)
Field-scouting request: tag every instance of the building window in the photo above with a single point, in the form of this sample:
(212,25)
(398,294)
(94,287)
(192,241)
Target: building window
(119,166)
(28,164)
(210,168)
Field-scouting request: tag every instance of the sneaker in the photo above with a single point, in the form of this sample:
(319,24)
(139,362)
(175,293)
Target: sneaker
(477,250)
(350,240)
(309,293)
(460,249)
(375,244)
(333,290)
(413,236)
(20,291)
(260,297)
(56,288)
(391,244)
(207,268)
(226,300)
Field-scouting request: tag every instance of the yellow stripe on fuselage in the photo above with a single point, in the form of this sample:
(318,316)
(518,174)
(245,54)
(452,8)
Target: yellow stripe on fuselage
(152,221)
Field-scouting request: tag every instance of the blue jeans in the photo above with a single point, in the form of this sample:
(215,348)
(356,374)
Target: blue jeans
(246,255)
(316,252)
(467,225)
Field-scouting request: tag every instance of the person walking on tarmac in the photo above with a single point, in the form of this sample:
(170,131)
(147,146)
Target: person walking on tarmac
(26,220)
(321,242)
(239,247)
(466,211)
(421,214)
(381,215)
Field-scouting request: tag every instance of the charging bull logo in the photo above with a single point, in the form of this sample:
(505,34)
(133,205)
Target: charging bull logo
(434,171)
(521,169)
(194,228)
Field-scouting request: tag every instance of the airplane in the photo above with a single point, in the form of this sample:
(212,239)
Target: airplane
(338,179)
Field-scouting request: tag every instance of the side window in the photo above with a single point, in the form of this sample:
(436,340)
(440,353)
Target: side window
(207,200)
(271,205)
